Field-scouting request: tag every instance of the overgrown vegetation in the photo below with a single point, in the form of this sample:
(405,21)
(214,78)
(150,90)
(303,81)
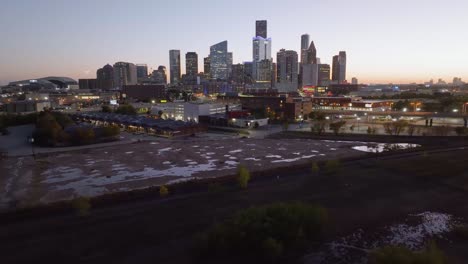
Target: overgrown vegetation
(163,191)
(267,234)
(243,177)
(401,255)
(126,109)
(396,127)
(82,206)
(337,127)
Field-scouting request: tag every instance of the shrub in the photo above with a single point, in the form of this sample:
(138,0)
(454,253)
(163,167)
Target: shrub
(244,176)
(461,131)
(82,205)
(332,166)
(337,126)
(106,109)
(163,191)
(401,255)
(265,234)
(315,167)
(126,109)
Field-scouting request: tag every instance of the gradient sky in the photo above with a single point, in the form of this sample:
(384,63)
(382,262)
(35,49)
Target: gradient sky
(396,41)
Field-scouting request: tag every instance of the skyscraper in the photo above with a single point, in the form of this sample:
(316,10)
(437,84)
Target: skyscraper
(219,61)
(311,54)
(261,54)
(105,77)
(339,67)
(125,73)
(206,66)
(261,28)
(287,70)
(304,46)
(160,76)
(237,75)
(354,80)
(191,63)
(174,66)
(142,71)
(324,75)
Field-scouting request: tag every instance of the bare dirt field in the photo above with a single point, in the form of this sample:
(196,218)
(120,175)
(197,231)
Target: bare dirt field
(93,172)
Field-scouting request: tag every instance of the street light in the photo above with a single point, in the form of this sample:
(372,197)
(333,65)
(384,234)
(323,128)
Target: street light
(358,119)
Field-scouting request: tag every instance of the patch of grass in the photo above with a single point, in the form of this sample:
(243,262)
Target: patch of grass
(244,177)
(315,168)
(461,231)
(401,255)
(332,166)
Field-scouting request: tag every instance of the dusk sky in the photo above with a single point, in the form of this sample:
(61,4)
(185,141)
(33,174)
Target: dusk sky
(398,41)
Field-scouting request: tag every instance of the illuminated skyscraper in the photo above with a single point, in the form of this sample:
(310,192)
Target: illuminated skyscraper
(261,54)
(220,61)
(174,66)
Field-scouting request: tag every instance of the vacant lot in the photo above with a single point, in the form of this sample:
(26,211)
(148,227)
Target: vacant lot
(92,172)
(363,197)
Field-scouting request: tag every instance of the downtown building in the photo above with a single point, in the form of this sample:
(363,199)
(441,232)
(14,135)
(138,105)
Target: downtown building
(105,77)
(174,67)
(220,62)
(339,68)
(125,73)
(287,71)
(262,62)
(191,69)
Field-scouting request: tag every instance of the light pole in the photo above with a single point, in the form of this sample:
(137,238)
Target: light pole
(358,119)
(31,141)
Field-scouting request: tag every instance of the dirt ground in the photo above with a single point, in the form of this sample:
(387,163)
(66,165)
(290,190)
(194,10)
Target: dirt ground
(365,196)
(54,177)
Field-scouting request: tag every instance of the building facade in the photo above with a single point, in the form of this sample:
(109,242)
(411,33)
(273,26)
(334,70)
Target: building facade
(339,68)
(220,60)
(287,70)
(105,77)
(125,73)
(174,67)
(191,63)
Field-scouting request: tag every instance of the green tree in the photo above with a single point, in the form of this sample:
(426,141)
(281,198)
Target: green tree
(126,109)
(285,125)
(396,127)
(336,127)
(401,255)
(106,109)
(82,205)
(163,191)
(243,177)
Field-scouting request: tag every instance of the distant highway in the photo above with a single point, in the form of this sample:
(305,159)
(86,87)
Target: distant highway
(394,113)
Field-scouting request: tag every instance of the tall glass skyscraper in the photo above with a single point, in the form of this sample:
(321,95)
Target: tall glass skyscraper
(287,70)
(174,66)
(125,73)
(261,28)
(191,63)
(220,60)
(339,67)
(304,46)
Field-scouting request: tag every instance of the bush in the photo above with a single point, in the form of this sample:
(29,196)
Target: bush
(315,168)
(337,126)
(126,109)
(461,131)
(163,191)
(82,205)
(401,255)
(332,166)
(244,177)
(106,109)
(265,234)
(110,131)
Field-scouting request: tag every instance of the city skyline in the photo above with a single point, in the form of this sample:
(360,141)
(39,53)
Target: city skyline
(384,42)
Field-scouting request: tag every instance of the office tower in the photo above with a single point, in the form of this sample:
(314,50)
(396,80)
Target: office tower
(191,63)
(324,75)
(339,67)
(304,46)
(125,73)
(105,77)
(219,61)
(261,54)
(310,74)
(287,70)
(174,66)
(261,28)
(206,66)
(354,80)
(237,75)
(142,71)
(248,70)
(311,54)
(159,76)
(274,75)
(229,63)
